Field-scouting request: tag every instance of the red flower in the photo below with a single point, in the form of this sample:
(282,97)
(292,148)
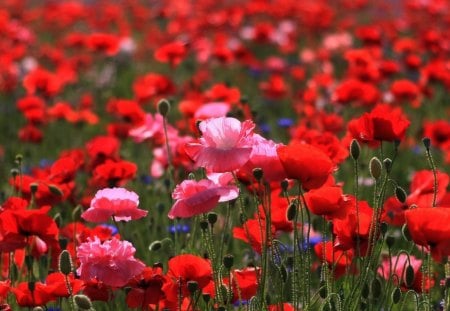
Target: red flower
(104,43)
(146,288)
(16,226)
(152,86)
(30,133)
(429,228)
(405,90)
(112,174)
(253,232)
(354,90)
(38,297)
(336,259)
(41,80)
(306,163)
(185,268)
(328,201)
(439,132)
(382,123)
(348,229)
(172,53)
(56,282)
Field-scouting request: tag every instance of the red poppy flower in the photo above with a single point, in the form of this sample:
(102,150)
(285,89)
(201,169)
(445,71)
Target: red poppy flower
(172,53)
(103,43)
(429,228)
(348,230)
(328,201)
(152,86)
(253,232)
(38,297)
(56,282)
(325,141)
(114,173)
(16,226)
(306,163)
(146,288)
(353,90)
(336,259)
(181,270)
(41,80)
(438,131)
(30,133)
(382,123)
(405,90)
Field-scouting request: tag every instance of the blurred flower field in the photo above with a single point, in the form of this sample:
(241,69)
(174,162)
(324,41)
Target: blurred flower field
(224,155)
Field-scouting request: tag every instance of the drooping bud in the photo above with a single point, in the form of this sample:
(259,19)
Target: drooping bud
(204,225)
(390,240)
(155,245)
(396,295)
(426,142)
(400,194)
(409,276)
(291,211)
(55,190)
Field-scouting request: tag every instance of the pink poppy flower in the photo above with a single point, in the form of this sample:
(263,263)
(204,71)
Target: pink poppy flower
(264,155)
(110,262)
(225,145)
(197,197)
(114,202)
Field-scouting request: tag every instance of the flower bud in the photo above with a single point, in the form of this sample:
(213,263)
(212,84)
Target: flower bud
(426,142)
(155,245)
(212,218)
(65,263)
(355,149)
(14,172)
(34,187)
(409,276)
(376,288)
(375,168)
(228,261)
(291,211)
(284,185)
(82,302)
(164,107)
(204,225)
(258,173)
(390,240)
(192,286)
(55,190)
(396,295)
(400,194)
(387,165)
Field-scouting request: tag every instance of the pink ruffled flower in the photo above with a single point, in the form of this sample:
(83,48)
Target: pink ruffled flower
(153,128)
(197,197)
(110,262)
(225,145)
(114,202)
